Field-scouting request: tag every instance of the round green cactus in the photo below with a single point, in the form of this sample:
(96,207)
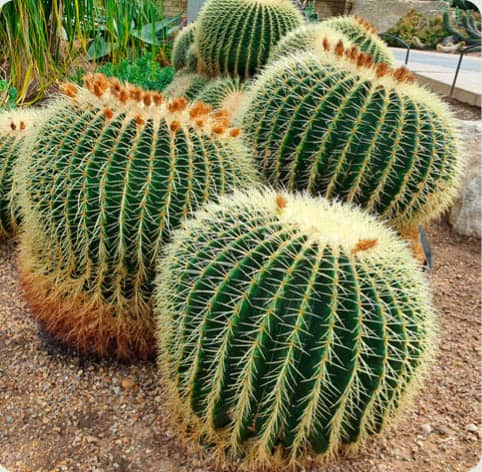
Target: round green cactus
(186,84)
(235,37)
(111,174)
(308,37)
(290,326)
(13,128)
(362,34)
(181,48)
(226,94)
(339,126)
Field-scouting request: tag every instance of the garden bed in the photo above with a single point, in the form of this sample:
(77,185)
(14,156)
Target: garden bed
(64,412)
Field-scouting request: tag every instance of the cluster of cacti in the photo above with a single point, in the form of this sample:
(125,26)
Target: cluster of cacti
(359,32)
(186,84)
(235,37)
(13,126)
(338,125)
(181,56)
(466,27)
(290,326)
(113,171)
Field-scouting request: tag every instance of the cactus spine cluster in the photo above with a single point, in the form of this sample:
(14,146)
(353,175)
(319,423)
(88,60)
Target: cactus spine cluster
(308,37)
(362,34)
(235,37)
(340,126)
(186,84)
(13,128)
(114,170)
(285,334)
(180,56)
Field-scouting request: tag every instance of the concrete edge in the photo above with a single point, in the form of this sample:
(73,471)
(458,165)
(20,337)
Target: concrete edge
(464,96)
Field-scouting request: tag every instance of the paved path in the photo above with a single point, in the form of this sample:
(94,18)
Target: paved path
(437,71)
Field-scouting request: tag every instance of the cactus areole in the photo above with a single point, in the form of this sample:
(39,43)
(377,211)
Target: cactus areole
(115,169)
(289,326)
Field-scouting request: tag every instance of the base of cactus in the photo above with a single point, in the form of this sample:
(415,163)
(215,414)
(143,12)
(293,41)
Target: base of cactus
(85,324)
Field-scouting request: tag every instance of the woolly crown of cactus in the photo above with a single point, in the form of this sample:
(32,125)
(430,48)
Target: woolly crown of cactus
(13,128)
(225,93)
(289,326)
(115,169)
(308,37)
(235,37)
(186,84)
(361,33)
(181,48)
(338,125)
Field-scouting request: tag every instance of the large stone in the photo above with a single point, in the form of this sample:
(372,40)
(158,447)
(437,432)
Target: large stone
(465,215)
(383,14)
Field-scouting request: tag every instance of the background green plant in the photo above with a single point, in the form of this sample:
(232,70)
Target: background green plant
(8,95)
(143,71)
(40,40)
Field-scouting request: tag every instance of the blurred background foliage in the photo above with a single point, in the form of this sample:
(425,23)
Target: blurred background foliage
(42,41)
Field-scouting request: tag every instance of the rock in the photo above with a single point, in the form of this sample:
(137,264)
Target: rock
(465,215)
(426,429)
(472,428)
(442,430)
(383,14)
(127,383)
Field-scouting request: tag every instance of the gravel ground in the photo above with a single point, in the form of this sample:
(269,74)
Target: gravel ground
(64,412)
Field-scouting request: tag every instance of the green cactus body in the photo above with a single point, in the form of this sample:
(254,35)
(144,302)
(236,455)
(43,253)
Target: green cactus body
(309,37)
(101,190)
(290,326)
(235,37)
(363,35)
(13,128)
(338,126)
(186,84)
(181,48)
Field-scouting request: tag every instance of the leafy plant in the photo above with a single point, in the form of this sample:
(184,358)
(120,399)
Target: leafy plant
(8,95)
(143,71)
(124,26)
(38,40)
(41,39)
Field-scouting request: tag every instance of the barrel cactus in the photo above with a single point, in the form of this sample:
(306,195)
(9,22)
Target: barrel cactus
(282,333)
(186,84)
(113,172)
(235,37)
(361,33)
(13,128)
(225,94)
(181,47)
(340,126)
(308,37)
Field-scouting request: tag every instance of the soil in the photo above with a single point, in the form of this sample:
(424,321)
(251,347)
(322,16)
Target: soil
(60,411)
